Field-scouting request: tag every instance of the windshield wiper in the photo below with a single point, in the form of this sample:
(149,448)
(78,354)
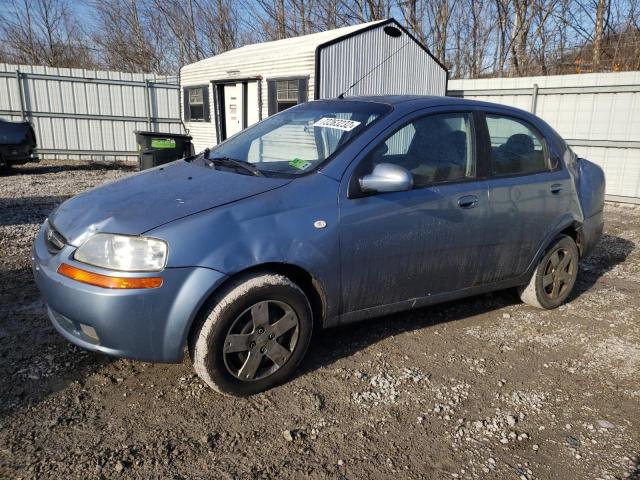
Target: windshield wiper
(234,163)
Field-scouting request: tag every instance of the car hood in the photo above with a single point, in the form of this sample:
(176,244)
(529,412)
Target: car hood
(146,200)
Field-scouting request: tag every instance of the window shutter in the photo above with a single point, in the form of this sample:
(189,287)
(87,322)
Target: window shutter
(303,90)
(185,102)
(205,104)
(272,99)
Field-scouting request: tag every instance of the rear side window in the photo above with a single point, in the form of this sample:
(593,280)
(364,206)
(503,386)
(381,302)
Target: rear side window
(435,148)
(516,147)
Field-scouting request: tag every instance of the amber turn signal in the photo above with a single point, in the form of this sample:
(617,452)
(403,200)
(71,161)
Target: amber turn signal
(106,281)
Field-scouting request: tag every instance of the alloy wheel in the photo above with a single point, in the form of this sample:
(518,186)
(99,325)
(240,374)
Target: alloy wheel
(261,340)
(558,273)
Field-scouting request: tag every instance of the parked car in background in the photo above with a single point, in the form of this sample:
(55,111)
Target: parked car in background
(330,212)
(17,143)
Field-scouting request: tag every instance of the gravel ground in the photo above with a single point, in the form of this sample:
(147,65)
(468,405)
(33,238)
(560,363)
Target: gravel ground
(481,388)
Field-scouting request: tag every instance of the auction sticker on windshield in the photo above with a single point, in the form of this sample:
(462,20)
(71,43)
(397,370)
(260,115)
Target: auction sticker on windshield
(338,123)
(299,164)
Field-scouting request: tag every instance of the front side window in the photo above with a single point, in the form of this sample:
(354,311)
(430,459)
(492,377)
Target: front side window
(516,148)
(435,149)
(300,139)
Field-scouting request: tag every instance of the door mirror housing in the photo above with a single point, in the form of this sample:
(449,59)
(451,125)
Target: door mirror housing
(387,177)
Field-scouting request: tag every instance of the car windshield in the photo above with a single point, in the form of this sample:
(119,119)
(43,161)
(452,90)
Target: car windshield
(299,139)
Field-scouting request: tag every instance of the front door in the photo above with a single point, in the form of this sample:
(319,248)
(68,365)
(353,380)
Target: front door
(426,241)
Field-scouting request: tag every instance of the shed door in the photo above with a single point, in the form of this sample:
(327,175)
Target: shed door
(253,103)
(233,108)
(238,107)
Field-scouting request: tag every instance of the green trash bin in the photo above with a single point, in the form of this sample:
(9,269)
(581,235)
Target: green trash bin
(157,148)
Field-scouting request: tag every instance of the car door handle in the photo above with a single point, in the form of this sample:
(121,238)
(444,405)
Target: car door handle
(468,201)
(556,188)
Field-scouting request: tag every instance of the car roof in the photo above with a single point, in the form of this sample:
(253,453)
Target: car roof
(419,100)
(406,103)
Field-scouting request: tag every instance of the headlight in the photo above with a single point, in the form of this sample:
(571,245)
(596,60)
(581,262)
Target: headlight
(124,253)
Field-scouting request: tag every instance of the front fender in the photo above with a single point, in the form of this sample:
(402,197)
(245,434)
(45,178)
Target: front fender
(276,227)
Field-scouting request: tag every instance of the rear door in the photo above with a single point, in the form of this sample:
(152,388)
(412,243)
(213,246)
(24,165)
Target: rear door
(529,192)
(398,246)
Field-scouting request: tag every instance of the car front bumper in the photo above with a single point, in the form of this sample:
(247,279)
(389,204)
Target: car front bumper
(142,324)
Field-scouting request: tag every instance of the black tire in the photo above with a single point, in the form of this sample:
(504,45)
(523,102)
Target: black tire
(240,331)
(554,277)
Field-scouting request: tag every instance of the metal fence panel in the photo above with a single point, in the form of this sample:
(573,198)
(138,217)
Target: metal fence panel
(597,114)
(88,114)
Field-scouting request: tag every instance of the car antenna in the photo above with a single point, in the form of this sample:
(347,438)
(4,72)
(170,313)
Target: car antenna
(392,32)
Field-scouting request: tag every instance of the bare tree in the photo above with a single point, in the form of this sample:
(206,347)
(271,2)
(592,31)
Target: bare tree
(131,37)
(601,8)
(43,32)
(472,37)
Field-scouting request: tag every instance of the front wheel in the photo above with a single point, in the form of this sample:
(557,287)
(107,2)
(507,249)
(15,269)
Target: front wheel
(554,277)
(254,335)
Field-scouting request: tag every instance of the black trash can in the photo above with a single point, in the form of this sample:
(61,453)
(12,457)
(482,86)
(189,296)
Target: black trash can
(156,148)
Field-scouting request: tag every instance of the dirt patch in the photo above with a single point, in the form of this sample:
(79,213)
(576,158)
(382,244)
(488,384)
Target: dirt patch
(481,388)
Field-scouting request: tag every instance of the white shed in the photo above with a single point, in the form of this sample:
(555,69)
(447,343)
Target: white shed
(245,85)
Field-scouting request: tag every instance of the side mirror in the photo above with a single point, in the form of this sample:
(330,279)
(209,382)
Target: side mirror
(387,177)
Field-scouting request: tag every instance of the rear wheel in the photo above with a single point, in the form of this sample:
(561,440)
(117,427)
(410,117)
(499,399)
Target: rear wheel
(254,336)
(554,277)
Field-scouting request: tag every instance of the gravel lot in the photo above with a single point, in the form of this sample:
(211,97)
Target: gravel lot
(481,388)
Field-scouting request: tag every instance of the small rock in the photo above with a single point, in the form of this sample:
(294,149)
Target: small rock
(287,435)
(420,420)
(506,315)
(536,447)
(492,460)
(573,441)
(605,424)
(511,420)
(119,466)
(340,463)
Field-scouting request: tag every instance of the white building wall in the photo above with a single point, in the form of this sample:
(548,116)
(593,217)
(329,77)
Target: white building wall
(290,57)
(597,114)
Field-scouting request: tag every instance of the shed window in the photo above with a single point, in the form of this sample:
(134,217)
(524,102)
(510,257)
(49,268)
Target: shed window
(196,104)
(285,93)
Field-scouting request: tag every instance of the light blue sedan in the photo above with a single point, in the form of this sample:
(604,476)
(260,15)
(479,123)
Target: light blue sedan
(327,213)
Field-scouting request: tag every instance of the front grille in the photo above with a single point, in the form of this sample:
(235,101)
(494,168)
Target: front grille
(53,239)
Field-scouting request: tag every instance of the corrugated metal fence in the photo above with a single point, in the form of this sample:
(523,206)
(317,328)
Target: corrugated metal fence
(88,114)
(597,114)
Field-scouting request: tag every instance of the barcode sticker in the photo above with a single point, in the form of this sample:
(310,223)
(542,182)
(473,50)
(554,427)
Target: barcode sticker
(337,123)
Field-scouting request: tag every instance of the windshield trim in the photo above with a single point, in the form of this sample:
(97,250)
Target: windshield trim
(273,174)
